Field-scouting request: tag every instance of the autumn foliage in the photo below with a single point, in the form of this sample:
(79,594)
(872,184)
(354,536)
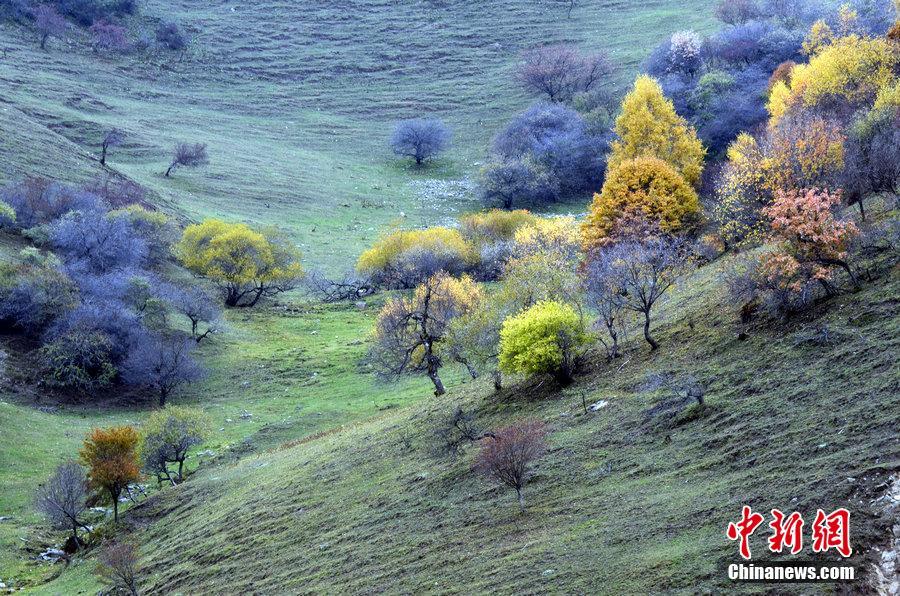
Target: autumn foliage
(646,187)
(247,264)
(111,457)
(549,337)
(812,242)
(648,126)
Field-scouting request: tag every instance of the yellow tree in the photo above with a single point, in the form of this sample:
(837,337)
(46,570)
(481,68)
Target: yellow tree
(646,188)
(648,126)
(849,70)
(246,264)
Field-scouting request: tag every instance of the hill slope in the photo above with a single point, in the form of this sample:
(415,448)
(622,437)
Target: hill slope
(625,502)
(296,101)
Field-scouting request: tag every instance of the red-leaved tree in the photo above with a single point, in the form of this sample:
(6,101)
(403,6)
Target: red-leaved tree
(507,455)
(812,242)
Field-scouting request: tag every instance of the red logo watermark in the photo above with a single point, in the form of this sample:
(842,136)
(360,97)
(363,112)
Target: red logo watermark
(829,531)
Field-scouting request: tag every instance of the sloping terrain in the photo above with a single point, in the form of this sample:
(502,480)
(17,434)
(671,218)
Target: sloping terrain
(799,417)
(296,102)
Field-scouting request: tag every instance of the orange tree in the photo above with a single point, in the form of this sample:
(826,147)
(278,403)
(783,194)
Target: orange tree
(111,457)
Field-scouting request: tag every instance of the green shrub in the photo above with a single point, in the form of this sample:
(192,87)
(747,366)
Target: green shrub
(549,337)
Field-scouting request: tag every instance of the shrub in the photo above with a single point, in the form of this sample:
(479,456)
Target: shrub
(108,36)
(844,75)
(560,72)
(39,201)
(98,241)
(473,338)
(872,156)
(189,156)
(420,139)
(194,305)
(494,225)
(409,331)
(553,236)
(405,258)
(166,438)
(63,498)
(32,296)
(802,151)
(684,52)
(546,151)
(648,126)
(119,565)
(245,263)
(153,227)
(112,318)
(603,289)
(517,181)
(49,22)
(170,36)
(549,338)
(647,187)
(111,458)
(162,364)
(813,242)
(117,192)
(80,359)
(735,12)
(509,454)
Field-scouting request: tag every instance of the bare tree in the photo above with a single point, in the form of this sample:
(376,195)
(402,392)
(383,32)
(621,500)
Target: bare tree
(560,72)
(603,290)
(113,138)
(162,364)
(196,306)
(188,155)
(409,333)
(420,139)
(644,271)
(119,565)
(508,454)
(349,286)
(49,22)
(63,498)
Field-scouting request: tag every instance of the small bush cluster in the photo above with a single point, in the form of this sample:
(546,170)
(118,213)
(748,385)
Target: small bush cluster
(547,153)
(94,298)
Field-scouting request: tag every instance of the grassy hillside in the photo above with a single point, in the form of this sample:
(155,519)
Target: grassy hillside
(294,372)
(296,101)
(625,501)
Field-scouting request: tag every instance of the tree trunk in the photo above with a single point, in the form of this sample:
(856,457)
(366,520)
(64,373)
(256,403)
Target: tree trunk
(44,40)
(438,384)
(115,500)
(498,380)
(180,469)
(862,210)
(103,156)
(169,171)
(163,394)
(650,340)
(521,500)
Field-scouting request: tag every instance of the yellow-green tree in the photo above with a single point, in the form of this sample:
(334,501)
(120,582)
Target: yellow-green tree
(645,188)
(246,264)
(549,337)
(648,126)
(166,437)
(849,70)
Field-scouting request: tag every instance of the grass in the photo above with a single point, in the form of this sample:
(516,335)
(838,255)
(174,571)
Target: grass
(296,373)
(296,102)
(621,504)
